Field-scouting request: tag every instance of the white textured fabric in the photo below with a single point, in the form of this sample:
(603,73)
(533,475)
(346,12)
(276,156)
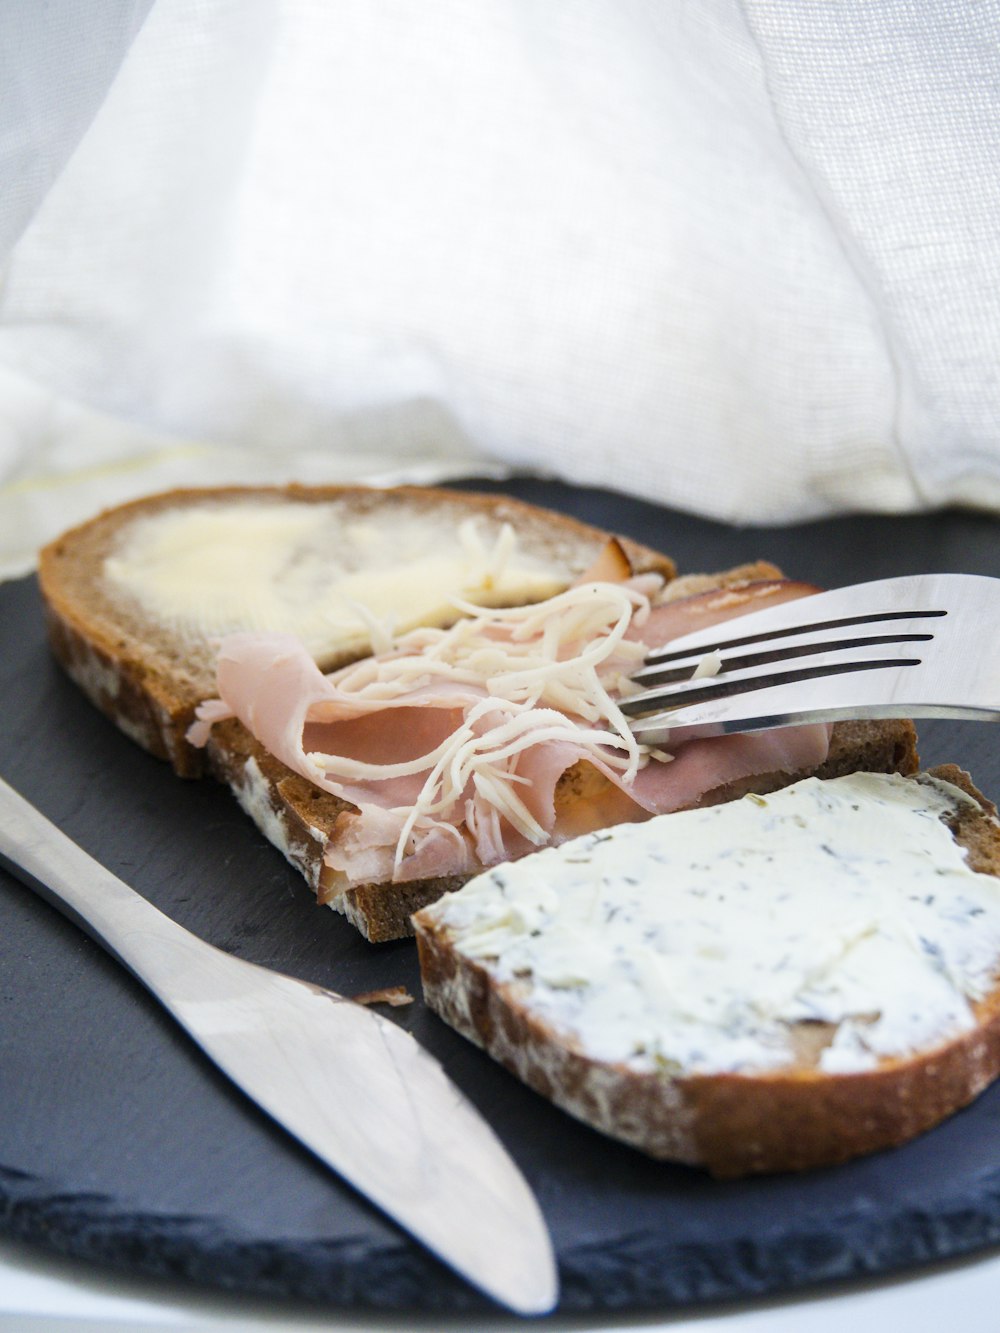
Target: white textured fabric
(739,257)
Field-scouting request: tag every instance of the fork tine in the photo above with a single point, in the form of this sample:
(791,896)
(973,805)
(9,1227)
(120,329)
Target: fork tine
(814,627)
(913,597)
(779,670)
(737,655)
(765,675)
(793,705)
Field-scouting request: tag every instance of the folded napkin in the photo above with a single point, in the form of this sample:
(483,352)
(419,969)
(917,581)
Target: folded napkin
(741,257)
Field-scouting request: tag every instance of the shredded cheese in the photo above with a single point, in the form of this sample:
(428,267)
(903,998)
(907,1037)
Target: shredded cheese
(710,665)
(493,560)
(546,672)
(381,632)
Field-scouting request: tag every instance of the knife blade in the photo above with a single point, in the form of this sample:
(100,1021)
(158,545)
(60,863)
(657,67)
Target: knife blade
(349,1084)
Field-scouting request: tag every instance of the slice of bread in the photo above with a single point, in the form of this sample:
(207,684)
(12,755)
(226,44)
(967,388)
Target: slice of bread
(119,592)
(726,1035)
(115,587)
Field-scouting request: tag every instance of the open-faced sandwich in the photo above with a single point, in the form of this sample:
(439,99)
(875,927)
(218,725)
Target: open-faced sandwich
(406,687)
(751,953)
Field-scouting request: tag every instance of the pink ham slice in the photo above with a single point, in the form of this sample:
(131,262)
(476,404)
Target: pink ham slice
(272,685)
(672,619)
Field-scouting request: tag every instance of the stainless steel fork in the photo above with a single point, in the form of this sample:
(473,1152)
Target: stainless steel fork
(920,646)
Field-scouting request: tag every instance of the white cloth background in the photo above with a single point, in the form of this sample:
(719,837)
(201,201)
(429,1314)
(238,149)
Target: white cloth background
(740,256)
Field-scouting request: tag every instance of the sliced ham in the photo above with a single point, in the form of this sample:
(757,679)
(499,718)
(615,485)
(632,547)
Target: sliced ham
(672,619)
(453,750)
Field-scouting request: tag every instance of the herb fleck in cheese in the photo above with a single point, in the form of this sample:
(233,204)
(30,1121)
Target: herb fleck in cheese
(702,941)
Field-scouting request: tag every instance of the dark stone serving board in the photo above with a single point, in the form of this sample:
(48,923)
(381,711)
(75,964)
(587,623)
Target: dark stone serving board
(120,1143)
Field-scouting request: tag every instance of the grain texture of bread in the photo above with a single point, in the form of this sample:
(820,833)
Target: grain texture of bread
(733,1124)
(149,679)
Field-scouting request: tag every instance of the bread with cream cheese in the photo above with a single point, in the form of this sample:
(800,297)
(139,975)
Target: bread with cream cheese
(693,1040)
(117,593)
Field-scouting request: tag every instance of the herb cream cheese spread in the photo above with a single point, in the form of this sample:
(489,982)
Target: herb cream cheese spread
(698,942)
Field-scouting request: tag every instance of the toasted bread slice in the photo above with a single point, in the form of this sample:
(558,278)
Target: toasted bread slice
(861,1052)
(138,598)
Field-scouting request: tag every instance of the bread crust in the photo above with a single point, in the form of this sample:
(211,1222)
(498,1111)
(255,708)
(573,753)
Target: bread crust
(730,1124)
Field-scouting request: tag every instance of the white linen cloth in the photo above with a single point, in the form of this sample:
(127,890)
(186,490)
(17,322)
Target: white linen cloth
(738,256)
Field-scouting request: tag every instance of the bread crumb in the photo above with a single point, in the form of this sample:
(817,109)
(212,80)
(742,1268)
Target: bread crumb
(393,995)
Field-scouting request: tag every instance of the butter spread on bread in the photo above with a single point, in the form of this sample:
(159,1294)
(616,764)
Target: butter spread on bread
(271,567)
(820,967)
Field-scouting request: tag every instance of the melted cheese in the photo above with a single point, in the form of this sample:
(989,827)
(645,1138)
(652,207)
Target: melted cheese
(338,583)
(698,941)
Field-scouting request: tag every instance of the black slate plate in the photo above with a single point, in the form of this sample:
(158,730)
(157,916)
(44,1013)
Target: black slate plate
(119,1142)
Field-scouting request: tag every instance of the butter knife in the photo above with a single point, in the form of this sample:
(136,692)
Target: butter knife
(352,1086)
